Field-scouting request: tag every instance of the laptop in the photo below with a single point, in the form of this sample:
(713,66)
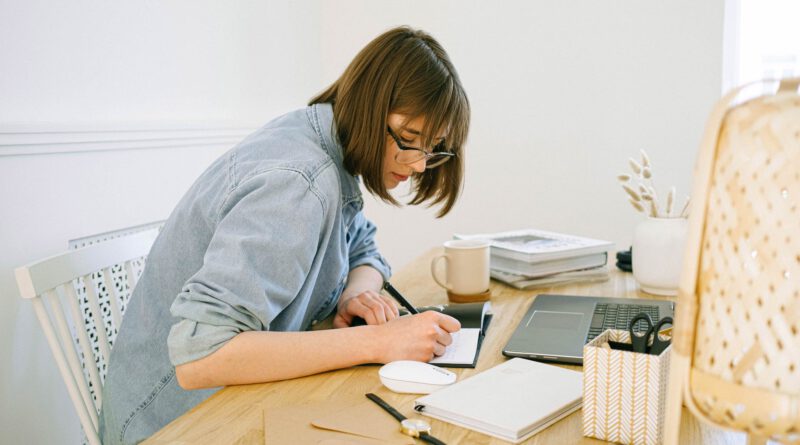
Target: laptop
(556,327)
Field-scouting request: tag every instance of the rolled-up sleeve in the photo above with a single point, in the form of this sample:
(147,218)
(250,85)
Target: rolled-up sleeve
(256,263)
(362,247)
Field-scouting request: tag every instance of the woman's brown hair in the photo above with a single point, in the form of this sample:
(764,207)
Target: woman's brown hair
(402,71)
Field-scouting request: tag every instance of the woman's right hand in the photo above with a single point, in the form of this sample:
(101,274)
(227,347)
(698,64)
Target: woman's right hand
(417,337)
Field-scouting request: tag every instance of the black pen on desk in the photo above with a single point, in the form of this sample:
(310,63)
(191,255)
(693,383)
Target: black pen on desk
(393,292)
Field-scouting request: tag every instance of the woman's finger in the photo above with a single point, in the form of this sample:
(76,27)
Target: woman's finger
(444,338)
(392,310)
(375,306)
(357,308)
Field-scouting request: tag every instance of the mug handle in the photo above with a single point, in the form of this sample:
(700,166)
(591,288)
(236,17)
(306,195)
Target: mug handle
(434,262)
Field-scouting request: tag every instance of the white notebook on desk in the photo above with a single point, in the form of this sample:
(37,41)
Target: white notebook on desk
(511,401)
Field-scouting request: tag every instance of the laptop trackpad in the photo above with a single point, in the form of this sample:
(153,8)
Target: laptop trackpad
(556,320)
(556,333)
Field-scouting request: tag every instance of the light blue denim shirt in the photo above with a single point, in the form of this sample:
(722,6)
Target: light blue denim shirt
(263,240)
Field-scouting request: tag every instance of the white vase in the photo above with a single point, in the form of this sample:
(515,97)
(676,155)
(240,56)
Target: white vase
(658,245)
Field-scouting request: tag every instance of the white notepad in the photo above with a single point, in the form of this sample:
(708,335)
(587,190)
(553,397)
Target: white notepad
(512,401)
(463,349)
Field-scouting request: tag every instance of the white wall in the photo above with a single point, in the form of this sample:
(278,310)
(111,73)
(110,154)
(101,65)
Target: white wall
(562,94)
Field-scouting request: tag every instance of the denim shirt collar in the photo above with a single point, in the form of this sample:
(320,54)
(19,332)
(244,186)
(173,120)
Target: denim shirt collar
(321,117)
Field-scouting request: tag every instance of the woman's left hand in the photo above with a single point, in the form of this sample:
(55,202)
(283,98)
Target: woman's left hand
(372,306)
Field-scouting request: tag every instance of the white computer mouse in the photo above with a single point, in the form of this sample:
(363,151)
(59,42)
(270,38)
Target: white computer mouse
(408,376)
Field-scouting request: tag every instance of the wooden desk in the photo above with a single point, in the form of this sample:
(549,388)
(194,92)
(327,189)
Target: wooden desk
(234,414)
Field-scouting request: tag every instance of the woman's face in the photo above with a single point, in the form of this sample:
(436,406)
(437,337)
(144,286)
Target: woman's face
(409,132)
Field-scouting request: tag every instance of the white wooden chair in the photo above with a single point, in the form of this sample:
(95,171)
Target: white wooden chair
(79,298)
(735,360)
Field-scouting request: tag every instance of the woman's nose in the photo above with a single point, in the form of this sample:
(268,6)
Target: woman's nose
(419,166)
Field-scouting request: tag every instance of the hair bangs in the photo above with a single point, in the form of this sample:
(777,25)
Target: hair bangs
(446,111)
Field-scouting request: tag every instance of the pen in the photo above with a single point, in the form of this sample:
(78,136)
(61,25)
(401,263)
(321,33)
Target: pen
(393,292)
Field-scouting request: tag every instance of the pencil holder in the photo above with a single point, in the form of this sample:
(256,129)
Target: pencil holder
(624,392)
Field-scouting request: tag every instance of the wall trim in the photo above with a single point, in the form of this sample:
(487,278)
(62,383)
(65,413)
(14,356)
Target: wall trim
(32,140)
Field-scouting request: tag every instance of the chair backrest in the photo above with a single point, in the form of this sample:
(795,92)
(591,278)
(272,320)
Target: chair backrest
(738,321)
(79,298)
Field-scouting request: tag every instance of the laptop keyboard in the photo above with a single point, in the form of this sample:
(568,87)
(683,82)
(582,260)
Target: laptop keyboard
(618,316)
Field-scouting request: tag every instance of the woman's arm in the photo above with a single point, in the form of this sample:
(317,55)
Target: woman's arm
(264,356)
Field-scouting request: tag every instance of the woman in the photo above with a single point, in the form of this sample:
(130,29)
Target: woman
(271,239)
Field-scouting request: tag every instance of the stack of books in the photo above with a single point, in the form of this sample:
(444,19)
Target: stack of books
(534,258)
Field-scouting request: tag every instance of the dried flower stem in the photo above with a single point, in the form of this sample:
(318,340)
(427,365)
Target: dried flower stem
(685,211)
(631,192)
(645,159)
(635,166)
(654,201)
(670,200)
(645,200)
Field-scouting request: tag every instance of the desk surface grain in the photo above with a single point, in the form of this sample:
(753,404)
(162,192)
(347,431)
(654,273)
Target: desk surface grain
(234,415)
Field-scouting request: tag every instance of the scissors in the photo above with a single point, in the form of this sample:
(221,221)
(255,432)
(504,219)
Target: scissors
(639,342)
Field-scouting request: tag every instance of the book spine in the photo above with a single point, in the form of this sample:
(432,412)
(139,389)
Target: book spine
(549,268)
(533,258)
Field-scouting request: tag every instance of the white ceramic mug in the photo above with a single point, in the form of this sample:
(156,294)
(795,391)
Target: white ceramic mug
(466,270)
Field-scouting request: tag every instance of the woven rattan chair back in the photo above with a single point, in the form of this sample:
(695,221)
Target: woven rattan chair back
(737,336)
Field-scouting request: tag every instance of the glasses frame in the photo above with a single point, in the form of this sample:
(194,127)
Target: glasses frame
(439,157)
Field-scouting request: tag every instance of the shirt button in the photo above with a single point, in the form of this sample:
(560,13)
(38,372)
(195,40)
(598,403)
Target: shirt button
(314,322)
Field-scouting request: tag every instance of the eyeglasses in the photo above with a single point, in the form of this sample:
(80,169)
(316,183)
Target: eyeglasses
(410,155)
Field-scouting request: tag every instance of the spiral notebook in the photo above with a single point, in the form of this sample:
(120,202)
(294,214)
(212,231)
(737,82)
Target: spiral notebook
(511,401)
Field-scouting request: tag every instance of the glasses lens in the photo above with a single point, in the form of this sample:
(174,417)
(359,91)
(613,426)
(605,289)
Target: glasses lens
(412,156)
(409,156)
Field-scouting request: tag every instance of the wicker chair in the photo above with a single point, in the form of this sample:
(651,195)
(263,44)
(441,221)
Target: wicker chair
(736,354)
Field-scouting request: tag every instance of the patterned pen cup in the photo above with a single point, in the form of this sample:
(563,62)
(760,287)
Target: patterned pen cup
(624,392)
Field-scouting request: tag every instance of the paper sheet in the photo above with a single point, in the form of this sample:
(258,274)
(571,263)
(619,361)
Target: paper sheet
(463,348)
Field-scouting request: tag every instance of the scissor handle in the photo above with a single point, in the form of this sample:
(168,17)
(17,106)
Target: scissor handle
(660,345)
(639,342)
